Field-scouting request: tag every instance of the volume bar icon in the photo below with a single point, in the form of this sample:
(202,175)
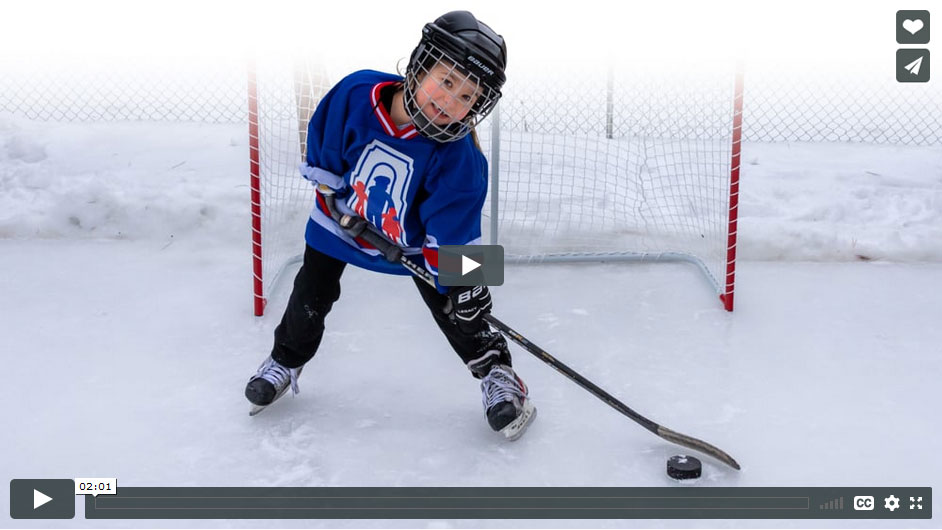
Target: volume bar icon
(834,504)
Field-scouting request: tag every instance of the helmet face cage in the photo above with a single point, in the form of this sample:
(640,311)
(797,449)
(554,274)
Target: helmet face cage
(450,83)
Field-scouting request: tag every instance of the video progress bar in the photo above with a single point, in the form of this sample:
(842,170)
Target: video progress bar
(501,503)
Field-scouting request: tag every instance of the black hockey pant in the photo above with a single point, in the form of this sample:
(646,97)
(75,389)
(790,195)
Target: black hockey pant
(317,287)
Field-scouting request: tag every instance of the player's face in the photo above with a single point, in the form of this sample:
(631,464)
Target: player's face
(445,95)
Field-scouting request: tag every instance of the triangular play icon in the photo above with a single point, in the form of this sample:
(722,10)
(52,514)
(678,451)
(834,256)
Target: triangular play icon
(468,265)
(40,498)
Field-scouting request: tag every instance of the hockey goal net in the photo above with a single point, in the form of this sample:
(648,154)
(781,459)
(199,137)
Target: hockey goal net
(639,166)
(633,165)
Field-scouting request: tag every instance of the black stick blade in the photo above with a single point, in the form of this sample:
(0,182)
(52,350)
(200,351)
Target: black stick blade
(697,445)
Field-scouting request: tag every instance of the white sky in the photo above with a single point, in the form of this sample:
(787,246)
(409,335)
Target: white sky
(376,34)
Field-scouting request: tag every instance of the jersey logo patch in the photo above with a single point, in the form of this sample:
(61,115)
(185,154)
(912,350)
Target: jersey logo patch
(380,183)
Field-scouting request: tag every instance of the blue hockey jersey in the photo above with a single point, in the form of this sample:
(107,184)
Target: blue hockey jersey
(418,192)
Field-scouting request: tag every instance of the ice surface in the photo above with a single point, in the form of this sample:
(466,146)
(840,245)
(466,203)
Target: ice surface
(127,338)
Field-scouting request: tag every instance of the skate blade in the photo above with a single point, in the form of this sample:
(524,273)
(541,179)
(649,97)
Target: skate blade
(516,428)
(256,409)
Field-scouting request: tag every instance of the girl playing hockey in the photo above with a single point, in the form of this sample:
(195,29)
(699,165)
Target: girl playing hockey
(401,154)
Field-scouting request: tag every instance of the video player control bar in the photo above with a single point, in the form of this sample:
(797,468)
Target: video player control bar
(513,503)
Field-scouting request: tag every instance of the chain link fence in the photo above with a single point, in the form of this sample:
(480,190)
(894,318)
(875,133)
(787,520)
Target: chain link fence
(778,107)
(820,106)
(213,92)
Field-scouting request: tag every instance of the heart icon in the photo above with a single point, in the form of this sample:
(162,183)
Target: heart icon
(912,26)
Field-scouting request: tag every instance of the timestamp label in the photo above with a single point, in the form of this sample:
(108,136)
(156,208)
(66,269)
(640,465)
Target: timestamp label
(96,486)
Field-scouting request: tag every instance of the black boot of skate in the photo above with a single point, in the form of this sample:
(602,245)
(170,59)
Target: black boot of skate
(270,383)
(506,403)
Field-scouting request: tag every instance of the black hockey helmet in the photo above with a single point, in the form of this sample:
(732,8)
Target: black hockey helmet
(469,46)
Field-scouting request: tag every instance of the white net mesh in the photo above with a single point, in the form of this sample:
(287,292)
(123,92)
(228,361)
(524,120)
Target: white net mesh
(635,164)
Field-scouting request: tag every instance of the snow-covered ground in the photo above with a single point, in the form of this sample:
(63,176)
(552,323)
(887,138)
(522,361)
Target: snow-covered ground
(127,337)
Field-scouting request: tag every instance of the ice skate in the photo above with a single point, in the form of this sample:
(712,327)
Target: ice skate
(508,408)
(270,383)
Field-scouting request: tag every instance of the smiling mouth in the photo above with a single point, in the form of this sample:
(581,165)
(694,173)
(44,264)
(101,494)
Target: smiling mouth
(438,114)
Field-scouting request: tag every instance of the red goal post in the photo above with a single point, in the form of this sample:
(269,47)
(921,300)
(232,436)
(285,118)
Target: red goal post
(735,161)
(282,96)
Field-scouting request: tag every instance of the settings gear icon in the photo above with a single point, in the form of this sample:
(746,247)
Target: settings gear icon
(891,503)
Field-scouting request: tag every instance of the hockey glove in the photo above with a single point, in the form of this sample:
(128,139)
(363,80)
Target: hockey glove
(468,306)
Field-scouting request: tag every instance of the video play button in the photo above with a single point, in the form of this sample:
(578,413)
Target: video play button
(468,265)
(42,499)
(471,265)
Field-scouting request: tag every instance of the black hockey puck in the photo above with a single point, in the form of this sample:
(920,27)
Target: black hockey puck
(683,467)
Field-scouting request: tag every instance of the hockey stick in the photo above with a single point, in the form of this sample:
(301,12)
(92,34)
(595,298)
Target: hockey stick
(394,253)
(665,433)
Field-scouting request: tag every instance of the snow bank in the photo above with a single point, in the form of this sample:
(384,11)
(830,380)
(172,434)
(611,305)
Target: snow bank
(142,180)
